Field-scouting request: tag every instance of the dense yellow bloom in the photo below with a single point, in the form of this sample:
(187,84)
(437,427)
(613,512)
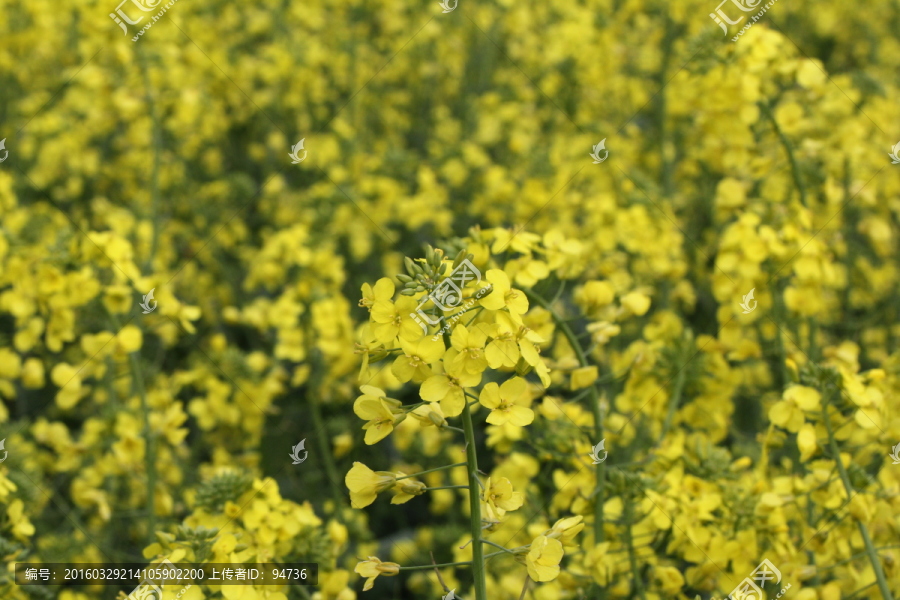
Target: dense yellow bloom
(788,413)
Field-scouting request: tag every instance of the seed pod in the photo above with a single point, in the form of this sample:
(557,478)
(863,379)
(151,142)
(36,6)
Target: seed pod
(429,254)
(436,258)
(442,269)
(459,258)
(420,288)
(417,270)
(378,356)
(410,265)
(404,278)
(407,292)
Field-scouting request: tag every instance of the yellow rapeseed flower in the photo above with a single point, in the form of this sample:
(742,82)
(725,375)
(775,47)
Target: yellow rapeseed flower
(374,567)
(365,484)
(508,402)
(543,558)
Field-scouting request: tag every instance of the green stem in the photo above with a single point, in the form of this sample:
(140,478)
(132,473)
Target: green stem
(462,464)
(497,546)
(863,530)
(154,174)
(421,567)
(782,353)
(811,556)
(600,469)
(447,487)
(813,325)
(632,557)
(150,451)
(673,402)
(474,507)
(325,451)
(795,170)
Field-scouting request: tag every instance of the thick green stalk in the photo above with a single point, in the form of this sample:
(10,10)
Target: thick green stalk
(325,451)
(789,149)
(674,401)
(632,557)
(150,450)
(157,149)
(600,470)
(863,530)
(474,496)
(474,507)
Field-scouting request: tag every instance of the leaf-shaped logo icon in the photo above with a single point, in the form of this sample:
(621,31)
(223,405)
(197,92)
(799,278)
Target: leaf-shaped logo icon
(595,452)
(148,298)
(295,452)
(3,147)
(895,456)
(295,149)
(597,149)
(895,154)
(745,303)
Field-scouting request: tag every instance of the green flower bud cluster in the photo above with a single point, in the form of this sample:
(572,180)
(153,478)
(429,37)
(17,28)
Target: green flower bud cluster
(423,274)
(221,488)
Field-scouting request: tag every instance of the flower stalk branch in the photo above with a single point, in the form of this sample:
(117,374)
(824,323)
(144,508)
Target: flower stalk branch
(863,530)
